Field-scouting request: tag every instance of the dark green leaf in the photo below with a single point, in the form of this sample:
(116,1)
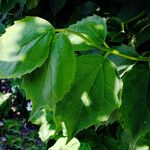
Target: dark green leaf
(2,28)
(83,10)
(93,96)
(7,5)
(32,3)
(135,108)
(123,63)
(48,84)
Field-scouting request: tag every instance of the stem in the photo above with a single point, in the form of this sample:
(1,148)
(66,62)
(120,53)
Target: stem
(106,45)
(105,49)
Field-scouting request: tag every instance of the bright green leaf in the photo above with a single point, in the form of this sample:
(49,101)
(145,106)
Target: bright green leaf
(93,96)
(24,47)
(135,108)
(93,28)
(47,85)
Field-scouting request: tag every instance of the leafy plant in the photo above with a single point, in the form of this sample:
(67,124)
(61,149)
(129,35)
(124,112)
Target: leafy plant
(74,74)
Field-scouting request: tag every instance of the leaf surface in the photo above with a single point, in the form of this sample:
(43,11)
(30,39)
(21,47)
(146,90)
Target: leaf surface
(93,28)
(93,96)
(48,84)
(135,108)
(24,47)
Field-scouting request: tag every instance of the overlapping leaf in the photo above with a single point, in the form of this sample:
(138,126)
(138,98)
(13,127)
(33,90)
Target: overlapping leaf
(93,96)
(135,108)
(24,47)
(48,84)
(93,28)
(123,63)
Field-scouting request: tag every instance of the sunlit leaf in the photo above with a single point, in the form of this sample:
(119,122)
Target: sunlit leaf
(24,47)
(93,96)
(93,28)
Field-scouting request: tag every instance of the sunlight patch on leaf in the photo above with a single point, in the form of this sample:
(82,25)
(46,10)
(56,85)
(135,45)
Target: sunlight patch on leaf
(103,118)
(145,147)
(75,39)
(85,99)
(99,27)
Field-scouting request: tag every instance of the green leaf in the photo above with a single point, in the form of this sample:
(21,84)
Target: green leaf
(123,63)
(93,28)
(93,96)
(74,144)
(135,108)
(82,10)
(24,47)
(47,85)
(57,5)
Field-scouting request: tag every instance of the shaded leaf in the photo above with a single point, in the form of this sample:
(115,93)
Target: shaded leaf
(7,5)
(57,5)
(135,106)
(74,144)
(2,28)
(143,36)
(123,63)
(83,10)
(32,3)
